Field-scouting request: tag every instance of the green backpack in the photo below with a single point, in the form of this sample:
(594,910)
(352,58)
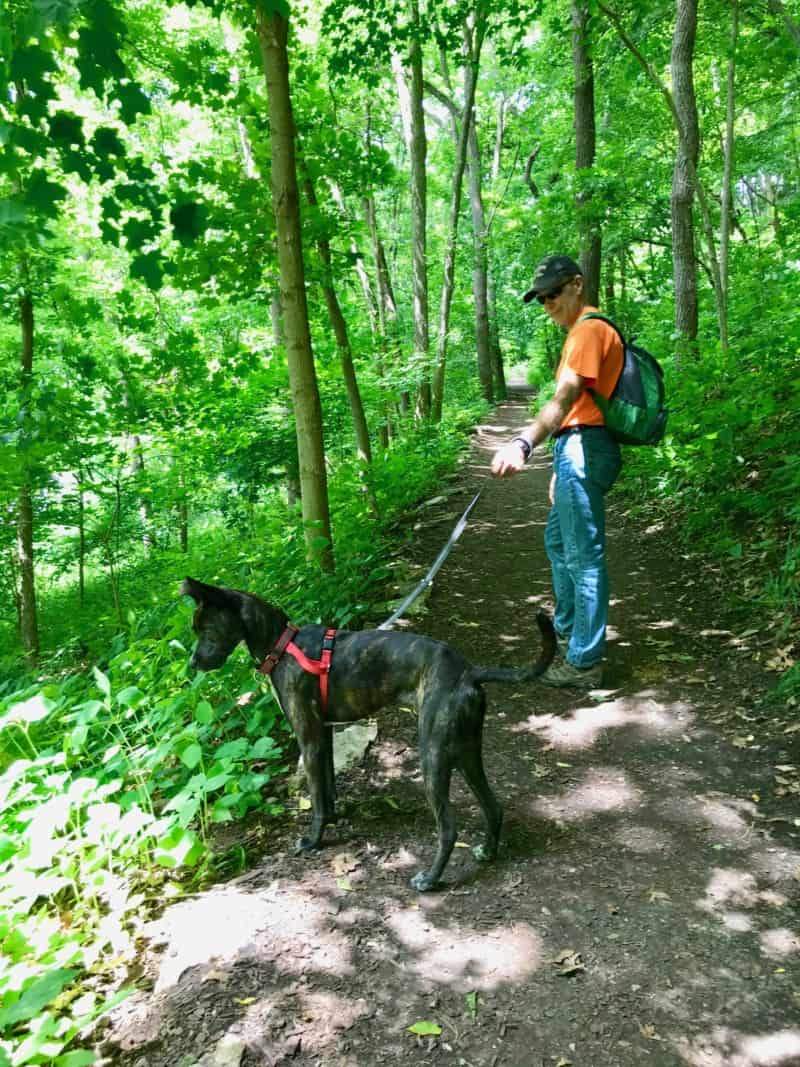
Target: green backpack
(635,412)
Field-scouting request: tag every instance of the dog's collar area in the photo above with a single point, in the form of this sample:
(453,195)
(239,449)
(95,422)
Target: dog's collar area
(320,667)
(274,655)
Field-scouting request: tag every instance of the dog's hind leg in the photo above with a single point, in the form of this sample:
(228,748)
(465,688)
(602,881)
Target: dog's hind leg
(471,766)
(437,749)
(437,787)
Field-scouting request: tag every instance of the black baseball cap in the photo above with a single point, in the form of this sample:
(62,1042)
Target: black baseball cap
(551,271)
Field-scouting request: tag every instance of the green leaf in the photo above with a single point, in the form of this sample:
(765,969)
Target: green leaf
(472,1003)
(425,1029)
(66,128)
(129,695)
(188,222)
(81,1057)
(133,102)
(103,684)
(35,997)
(204,713)
(149,268)
(192,756)
(105,142)
(44,195)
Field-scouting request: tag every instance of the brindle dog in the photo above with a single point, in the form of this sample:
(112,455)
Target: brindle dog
(370,670)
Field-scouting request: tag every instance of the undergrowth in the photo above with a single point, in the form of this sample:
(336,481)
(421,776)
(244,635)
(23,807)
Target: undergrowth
(117,763)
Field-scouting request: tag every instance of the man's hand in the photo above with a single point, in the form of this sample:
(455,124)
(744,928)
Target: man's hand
(508,460)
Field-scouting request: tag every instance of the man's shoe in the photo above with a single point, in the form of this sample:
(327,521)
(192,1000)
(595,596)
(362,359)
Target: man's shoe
(563,674)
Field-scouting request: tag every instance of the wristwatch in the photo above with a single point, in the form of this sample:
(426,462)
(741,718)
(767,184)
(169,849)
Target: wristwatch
(526,446)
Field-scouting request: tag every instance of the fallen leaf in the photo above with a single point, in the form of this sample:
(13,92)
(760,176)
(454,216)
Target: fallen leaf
(569,963)
(563,955)
(345,862)
(423,1028)
(657,896)
(345,885)
(472,1003)
(649,1032)
(303,804)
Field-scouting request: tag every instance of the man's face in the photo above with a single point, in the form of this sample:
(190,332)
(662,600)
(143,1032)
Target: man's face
(564,302)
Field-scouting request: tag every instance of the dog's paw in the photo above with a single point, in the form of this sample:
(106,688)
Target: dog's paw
(423,883)
(305,844)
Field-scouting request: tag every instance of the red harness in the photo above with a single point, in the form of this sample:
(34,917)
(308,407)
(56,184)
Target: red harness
(320,667)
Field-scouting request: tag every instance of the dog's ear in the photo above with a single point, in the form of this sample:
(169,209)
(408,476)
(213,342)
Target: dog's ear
(202,593)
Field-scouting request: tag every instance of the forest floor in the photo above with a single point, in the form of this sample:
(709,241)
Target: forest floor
(645,905)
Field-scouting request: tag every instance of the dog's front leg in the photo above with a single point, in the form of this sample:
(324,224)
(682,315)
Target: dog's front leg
(316,744)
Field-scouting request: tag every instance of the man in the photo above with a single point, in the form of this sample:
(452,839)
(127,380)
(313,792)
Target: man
(586,462)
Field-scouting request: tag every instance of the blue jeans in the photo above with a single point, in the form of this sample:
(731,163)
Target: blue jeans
(586,465)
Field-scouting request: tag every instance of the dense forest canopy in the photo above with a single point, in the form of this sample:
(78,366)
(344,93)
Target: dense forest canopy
(260,271)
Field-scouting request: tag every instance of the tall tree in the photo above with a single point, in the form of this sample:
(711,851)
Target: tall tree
(585,148)
(685,171)
(410,92)
(273,29)
(474,33)
(28,624)
(340,331)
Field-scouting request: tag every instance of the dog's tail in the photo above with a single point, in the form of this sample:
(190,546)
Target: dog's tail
(524,674)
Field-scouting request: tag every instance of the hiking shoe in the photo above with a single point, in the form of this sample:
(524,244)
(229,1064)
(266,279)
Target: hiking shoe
(564,674)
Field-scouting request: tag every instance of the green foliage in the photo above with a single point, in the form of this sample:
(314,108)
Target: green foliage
(156,437)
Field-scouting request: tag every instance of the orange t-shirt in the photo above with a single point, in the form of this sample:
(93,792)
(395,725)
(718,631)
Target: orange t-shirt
(593,350)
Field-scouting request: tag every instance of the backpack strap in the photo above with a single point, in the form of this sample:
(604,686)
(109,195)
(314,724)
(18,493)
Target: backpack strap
(604,318)
(603,401)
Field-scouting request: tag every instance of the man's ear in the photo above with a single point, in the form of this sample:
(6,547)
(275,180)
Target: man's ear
(202,593)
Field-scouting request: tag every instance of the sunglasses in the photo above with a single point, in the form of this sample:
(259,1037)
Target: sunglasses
(554,293)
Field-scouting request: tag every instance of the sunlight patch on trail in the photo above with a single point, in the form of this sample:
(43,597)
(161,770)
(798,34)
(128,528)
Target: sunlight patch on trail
(603,789)
(464,958)
(723,1047)
(225,924)
(582,728)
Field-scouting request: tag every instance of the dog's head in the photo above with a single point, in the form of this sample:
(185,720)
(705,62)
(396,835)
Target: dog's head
(217,622)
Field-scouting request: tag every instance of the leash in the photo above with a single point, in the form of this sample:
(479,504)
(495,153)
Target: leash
(321,667)
(458,529)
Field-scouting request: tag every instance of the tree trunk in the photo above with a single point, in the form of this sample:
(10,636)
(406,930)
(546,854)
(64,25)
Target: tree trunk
(494,331)
(474,33)
(28,623)
(358,260)
(342,337)
(137,470)
(81,541)
(585,141)
(726,205)
(480,267)
(387,318)
(683,175)
(272,34)
(414,127)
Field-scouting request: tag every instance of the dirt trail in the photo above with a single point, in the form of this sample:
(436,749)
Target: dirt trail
(645,906)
